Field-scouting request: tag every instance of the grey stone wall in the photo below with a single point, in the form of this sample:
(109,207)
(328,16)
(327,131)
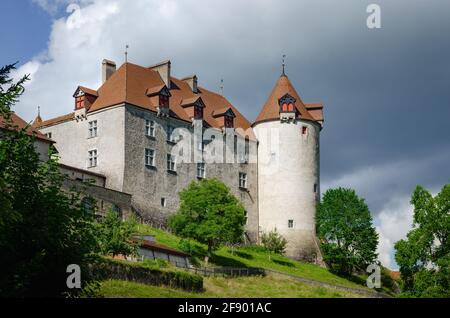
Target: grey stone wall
(149,185)
(105,199)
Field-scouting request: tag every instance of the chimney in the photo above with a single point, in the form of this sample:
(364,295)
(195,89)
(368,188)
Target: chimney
(192,82)
(163,69)
(108,69)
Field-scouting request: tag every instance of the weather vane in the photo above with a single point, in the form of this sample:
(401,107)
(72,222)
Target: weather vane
(221,86)
(284,64)
(126,53)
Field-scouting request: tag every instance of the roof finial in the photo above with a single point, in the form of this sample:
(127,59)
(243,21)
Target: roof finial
(221,86)
(283,64)
(126,53)
(39,111)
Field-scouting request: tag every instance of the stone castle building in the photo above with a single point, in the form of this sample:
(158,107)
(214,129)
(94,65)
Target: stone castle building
(151,134)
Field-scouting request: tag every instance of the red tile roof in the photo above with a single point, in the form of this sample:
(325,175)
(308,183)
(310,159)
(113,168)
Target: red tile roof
(19,123)
(130,83)
(270,110)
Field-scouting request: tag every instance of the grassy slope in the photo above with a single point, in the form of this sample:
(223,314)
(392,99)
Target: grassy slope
(253,257)
(219,287)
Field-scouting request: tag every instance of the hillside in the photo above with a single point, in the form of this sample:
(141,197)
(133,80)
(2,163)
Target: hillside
(220,287)
(272,285)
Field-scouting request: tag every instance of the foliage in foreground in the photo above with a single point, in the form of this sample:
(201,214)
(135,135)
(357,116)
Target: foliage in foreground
(116,236)
(210,214)
(344,227)
(424,256)
(42,229)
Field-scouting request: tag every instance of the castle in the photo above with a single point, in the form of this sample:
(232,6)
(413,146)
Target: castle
(148,134)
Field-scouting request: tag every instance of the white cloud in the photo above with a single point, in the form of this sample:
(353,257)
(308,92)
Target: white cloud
(394,222)
(232,39)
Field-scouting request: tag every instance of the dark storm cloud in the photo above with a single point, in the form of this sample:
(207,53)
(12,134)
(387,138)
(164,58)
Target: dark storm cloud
(386,92)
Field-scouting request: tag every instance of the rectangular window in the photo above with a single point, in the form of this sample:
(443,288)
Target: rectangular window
(92,129)
(163,201)
(171,162)
(315,187)
(149,128)
(201,170)
(242,180)
(92,158)
(149,157)
(290,224)
(304,130)
(246,217)
(49,135)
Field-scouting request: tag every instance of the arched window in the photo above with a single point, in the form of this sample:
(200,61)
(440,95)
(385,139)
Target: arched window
(287,103)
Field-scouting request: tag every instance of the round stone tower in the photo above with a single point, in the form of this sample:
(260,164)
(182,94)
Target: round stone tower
(288,133)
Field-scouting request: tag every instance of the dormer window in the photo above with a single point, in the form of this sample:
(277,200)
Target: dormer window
(163,100)
(229,121)
(160,96)
(287,104)
(84,97)
(225,117)
(79,100)
(198,112)
(193,107)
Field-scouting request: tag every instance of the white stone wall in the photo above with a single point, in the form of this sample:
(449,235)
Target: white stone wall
(288,168)
(73,143)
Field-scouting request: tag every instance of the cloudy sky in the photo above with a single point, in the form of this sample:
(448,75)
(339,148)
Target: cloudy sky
(386,91)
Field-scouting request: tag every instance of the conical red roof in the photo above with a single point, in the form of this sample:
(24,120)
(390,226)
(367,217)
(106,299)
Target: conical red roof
(271,109)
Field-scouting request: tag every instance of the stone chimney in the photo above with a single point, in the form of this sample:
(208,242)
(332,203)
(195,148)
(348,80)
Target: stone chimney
(163,69)
(108,69)
(192,82)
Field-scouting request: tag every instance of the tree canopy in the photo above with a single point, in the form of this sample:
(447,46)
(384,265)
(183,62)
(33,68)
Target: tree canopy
(344,227)
(116,236)
(424,256)
(42,229)
(209,213)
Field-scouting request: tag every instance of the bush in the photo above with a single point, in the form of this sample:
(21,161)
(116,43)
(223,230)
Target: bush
(274,242)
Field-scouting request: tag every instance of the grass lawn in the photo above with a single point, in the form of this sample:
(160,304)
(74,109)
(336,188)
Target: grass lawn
(219,287)
(252,256)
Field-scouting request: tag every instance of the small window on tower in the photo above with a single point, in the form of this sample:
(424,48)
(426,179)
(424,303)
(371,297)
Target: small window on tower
(315,187)
(290,224)
(163,202)
(304,130)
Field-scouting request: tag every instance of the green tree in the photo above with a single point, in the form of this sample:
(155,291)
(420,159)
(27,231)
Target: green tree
(424,256)
(209,213)
(42,229)
(344,227)
(116,236)
(274,242)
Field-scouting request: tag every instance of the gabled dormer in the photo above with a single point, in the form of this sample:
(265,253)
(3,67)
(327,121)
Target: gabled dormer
(225,117)
(193,107)
(160,96)
(287,108)
(84,98)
